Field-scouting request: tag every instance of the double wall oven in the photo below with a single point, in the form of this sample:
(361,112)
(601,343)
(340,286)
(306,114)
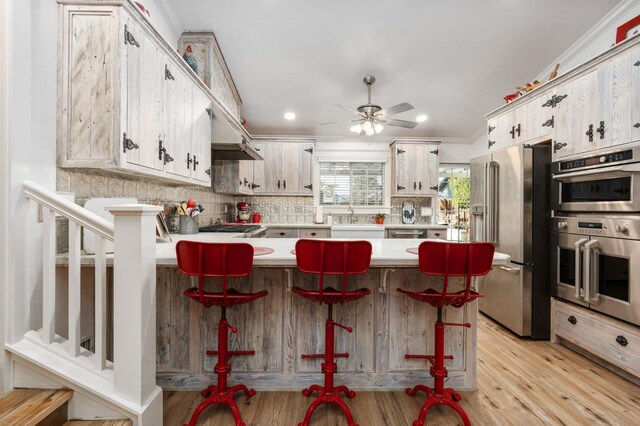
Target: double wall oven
(596,232)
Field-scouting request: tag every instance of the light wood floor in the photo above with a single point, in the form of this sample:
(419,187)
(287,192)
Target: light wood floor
(520,382)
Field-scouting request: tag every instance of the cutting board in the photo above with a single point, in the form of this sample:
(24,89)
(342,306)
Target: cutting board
(97,206)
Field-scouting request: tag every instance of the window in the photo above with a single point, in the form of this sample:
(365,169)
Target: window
(352,183)
(454,191)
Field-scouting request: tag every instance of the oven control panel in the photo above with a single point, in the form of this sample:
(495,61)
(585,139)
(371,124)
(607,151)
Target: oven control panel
(605,159)
(627,227)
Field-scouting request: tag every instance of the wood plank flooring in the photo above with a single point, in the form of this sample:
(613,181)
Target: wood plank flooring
(520,382)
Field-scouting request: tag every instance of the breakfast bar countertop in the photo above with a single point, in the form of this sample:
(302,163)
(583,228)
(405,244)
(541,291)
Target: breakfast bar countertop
(386,252)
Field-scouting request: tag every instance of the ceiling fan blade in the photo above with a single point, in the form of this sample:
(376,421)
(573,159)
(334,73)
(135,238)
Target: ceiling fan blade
(340,122)
(355,111)
(400,123)
(396,109)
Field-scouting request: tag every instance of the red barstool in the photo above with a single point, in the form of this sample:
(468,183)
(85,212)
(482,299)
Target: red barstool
(323,257)
(447,260)
(219,260)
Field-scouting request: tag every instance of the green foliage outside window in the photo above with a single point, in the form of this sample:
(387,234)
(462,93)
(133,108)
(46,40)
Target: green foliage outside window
(460,192)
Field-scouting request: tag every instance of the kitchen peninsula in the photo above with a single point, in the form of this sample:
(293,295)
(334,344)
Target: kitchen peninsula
(386,325)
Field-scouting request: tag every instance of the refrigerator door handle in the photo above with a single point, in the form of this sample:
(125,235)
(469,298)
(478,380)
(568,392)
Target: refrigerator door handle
(591,272)
(513,270)
(581,242)
(492,201)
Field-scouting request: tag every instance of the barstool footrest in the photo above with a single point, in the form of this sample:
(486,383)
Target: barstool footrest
(232,353)
(430,358)
(458,324)
(338,355)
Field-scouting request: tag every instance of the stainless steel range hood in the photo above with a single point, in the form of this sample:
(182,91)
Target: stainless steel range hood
(229,137)
(234,151)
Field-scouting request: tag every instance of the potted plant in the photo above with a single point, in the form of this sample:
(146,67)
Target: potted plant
(380,218)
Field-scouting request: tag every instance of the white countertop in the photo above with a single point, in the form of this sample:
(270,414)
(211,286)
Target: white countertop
(386,252)
(325,226)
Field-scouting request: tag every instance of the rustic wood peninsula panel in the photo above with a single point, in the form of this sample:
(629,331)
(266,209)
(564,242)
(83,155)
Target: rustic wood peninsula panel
(282,326)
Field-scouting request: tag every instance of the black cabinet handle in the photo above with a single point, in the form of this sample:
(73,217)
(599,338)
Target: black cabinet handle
(601,130)
(513,132)
(400,188)
(246,182)
(195,163)
(518,130)
(278,184)
(420,185)
(161,150)
(284,184)
(590,133)
(572,320)
(415,186)
(309,187)
(434,187)
(313,234)
(282,234)
(189,161)
(622,341)
(491,143)
(254,186)
(637,125)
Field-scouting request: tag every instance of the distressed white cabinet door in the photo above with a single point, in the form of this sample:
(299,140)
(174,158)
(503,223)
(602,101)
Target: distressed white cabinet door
(429,178)
(260,176)
(618,128)
(635,93)
(296,160)
(178,122)
(402,161)
(575,115)
(539,118)
(504,125)
(200,137)
(601,105)
(246,176)
(144,84)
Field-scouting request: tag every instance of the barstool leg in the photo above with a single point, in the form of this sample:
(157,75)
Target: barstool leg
(329,394)
(220,393)
(439,395)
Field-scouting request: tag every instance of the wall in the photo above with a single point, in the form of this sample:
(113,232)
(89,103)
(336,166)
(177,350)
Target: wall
(5,33)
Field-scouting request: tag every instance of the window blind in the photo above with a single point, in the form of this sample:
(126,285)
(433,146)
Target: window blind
(352,183)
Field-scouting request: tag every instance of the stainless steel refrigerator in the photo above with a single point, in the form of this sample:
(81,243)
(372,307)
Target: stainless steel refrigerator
(510,207)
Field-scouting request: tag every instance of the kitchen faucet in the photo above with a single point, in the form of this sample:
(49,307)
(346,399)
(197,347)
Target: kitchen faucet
(352,213)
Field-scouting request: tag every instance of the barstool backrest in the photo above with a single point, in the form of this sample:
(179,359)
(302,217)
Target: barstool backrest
(333,257)
(449,259)
(214,260)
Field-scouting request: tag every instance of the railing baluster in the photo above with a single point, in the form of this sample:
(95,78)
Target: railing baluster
(74,289)
(100,303)
(48,276)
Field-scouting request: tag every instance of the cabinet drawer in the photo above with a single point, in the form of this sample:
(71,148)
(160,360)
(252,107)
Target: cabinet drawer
(437,233)
(282,233)
(315,233)
(611,340)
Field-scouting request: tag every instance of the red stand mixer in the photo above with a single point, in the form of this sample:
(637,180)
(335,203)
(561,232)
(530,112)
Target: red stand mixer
(244,214)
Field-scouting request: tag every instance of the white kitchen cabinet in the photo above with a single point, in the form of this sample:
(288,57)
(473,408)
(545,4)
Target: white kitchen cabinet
(414,169)
(233,177)
(500,136)
(285,170)
(128,102)
(571,116)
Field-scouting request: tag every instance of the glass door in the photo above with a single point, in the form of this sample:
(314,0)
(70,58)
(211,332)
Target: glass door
(454,191)
(567,266)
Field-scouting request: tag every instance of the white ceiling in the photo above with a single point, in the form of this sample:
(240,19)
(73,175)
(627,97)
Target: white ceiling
(453,60)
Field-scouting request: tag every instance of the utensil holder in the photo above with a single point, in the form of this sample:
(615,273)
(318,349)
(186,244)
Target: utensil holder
(188,225)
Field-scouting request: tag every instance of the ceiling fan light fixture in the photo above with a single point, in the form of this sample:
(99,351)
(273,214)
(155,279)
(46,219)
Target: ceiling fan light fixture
(367,127)
(357,128)
(378,127)
(370,132)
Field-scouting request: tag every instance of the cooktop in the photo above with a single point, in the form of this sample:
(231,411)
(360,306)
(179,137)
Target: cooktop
(229,228)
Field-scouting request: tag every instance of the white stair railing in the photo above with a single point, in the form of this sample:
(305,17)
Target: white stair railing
(133,234)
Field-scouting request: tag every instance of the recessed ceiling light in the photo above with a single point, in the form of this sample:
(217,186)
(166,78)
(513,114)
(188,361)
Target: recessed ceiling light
(289,115)
(421,118)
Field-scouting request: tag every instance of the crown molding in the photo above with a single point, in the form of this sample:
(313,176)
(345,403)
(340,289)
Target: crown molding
(170,15)
(609,22)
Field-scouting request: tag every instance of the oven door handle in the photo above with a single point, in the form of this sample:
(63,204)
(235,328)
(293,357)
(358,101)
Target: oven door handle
(581,242)
(591,250)
(627,168)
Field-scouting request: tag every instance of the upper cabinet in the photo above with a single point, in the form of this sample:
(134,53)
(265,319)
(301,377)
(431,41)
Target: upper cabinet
(128,102)
(285,170)
(414,169)
(594,107)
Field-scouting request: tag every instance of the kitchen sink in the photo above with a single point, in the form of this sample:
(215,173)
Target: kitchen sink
(357,231)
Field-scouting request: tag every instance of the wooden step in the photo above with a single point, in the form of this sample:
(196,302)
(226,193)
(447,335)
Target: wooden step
(122,422)
(30,407)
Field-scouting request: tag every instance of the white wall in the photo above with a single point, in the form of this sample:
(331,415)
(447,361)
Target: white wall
(5,30)
(164,19)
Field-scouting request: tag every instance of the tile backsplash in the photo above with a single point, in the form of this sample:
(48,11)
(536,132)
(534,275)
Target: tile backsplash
(300,210)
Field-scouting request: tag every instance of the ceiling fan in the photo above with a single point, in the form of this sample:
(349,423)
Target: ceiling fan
(372,118)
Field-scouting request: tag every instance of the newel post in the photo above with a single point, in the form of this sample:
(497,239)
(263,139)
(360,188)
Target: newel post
(134,306)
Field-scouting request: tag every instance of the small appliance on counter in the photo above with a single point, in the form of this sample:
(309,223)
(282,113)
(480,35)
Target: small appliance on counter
(244,214)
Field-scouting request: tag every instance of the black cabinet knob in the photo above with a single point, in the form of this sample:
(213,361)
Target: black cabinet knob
(572,320)
(622,341)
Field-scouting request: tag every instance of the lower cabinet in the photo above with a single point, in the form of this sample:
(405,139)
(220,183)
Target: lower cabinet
(298,232)
(613,341)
